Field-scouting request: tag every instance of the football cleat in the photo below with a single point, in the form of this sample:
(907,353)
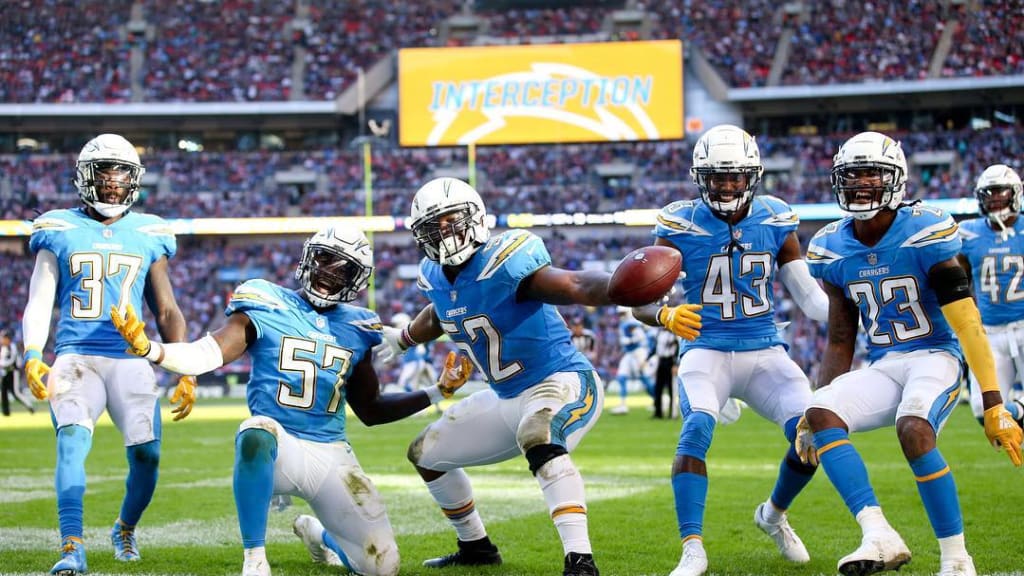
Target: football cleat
(694,561)
(619,410)
(878,552)
(957,567)
(310,531)
(123,539)
(789,544)
(475,553)
(72,560)
(577,564)
(256,568)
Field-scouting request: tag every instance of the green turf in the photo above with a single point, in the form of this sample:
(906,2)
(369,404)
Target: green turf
(190,527)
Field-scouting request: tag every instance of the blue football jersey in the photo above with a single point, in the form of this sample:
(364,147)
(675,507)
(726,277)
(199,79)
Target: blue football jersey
(735,286)
(632,335)
(997,264)
(302,358)
(889,281)
(514,344)
(99,266)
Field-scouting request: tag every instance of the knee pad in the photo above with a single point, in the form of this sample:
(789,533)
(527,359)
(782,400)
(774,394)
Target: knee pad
(695,439)
(541,454)
(147,454)
(255,444)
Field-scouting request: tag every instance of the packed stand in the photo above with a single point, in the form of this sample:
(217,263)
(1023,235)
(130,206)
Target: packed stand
(344,36)
(64,51)
(874,41)
(989,41)
(231,51)
(522,24)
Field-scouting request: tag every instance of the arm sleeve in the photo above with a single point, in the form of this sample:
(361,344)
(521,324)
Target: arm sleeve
(806,292)
(189,358)
(35,323)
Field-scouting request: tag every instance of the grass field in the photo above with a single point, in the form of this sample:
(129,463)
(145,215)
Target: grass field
(190,528)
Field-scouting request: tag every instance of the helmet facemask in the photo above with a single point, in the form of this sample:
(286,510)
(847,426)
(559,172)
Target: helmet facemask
(863,189)
(450,237)
(727,190)
(110,187)
(328,275)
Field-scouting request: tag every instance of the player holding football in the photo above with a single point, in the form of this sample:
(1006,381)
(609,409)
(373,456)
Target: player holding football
(731,244)
(311,354)
(93,257)
(496,298)
(896,264)
(993,252)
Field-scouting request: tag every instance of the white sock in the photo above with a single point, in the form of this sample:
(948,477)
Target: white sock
(256,554)
(771,514)
(454,494)
(953,547)
(564,494)
(871,519)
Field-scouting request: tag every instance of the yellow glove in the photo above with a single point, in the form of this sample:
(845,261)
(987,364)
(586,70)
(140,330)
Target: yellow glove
(682,320)
(132,329)
(804,443)
(186,394)
(457,369)
(35,369)
(1003,432)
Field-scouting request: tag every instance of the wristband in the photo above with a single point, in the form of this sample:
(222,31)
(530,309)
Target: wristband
(406,338)
(33,353)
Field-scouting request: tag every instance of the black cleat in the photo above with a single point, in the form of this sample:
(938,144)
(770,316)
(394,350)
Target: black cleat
(474,553)
(577,564)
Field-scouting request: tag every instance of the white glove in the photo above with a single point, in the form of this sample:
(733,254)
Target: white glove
(392,347)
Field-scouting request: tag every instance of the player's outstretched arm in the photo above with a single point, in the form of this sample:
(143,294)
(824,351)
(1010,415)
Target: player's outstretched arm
(363,391)
(562,287)
(188,358)
(952,288)
(35,323)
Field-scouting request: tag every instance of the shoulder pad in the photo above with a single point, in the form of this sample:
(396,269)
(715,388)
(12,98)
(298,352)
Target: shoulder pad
(256,295)
(678,218)
(934,231)
(500,250)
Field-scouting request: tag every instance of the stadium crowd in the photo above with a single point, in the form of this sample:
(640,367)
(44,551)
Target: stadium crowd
(251,50)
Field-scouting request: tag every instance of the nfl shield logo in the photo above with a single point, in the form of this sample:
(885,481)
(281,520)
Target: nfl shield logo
(453,295)
(737,233)
(872,259)
(320,322)
(108,233)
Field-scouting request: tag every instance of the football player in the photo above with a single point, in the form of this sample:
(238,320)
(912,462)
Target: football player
(311,354)
(495,297)
(635,346)
(92,257)
(993,252)
(895,264)
(732,242)
(417,370)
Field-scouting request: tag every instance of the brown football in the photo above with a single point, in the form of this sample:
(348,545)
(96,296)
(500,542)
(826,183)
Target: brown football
(644,275)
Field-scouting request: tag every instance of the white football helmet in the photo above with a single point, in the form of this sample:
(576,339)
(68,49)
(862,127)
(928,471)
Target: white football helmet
(869,156)
(726,168)
(459,237)
(335,267)
(108,159)
(999,192)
